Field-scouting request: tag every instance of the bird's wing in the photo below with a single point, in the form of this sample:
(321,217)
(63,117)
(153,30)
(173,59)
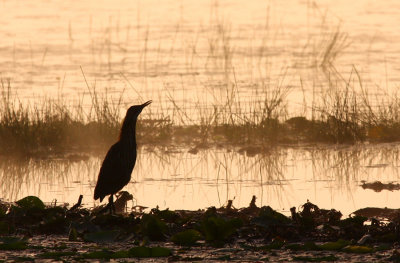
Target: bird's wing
(110,167)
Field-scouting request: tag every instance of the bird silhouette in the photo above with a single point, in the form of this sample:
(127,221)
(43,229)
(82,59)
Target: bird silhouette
(116,169)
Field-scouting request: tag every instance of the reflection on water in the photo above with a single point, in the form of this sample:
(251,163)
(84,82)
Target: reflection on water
(328,176)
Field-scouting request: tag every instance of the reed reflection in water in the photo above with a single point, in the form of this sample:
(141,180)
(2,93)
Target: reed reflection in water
(174,178)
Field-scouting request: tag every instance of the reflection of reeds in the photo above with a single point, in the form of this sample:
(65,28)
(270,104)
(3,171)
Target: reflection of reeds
(278,177)
(48,177)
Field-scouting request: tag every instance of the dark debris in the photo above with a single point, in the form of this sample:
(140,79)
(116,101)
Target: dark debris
(252,228)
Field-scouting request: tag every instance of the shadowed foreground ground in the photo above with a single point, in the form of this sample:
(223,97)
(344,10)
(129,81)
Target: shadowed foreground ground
(31,230)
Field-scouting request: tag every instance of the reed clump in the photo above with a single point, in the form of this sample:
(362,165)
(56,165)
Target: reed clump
(340,114)
(52,126)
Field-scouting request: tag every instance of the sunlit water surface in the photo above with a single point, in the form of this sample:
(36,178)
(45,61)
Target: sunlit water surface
(175,179)
(190,50)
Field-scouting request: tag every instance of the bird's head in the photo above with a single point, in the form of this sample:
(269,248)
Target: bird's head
(130,120)
(134,111)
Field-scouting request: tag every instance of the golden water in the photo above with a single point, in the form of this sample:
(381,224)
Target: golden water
(330,177)
(188,49)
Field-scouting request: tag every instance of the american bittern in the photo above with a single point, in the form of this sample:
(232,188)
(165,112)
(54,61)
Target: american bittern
(116,170)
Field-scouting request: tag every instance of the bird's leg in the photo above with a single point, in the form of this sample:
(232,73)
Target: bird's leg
(111,204)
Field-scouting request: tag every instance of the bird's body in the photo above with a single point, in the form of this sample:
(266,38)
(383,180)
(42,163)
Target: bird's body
(116,170)
(117,165)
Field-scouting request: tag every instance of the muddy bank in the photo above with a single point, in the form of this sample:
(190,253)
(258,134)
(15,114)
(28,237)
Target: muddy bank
(30,230)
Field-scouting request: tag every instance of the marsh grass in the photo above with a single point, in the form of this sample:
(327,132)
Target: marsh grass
(341,115)
(54,126)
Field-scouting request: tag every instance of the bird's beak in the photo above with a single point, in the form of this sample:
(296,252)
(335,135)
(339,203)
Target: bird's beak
(146,103)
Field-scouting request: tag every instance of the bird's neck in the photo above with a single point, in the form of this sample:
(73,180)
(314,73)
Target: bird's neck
(128,133)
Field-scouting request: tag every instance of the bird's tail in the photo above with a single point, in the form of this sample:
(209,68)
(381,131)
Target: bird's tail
(97,195)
